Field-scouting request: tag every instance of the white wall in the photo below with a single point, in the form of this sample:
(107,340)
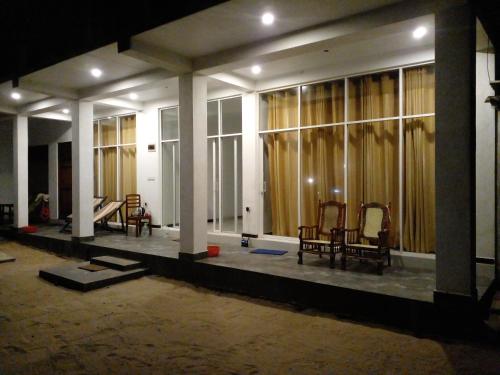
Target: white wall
(6,162)
(485,158)
(44,131)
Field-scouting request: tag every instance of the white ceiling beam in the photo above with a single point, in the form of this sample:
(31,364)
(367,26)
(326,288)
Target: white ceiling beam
(43,106)
(7,109)
(160,57)
(54,116)
(150,79)
(45,88)
(308,40)
(122,103)
(235,81)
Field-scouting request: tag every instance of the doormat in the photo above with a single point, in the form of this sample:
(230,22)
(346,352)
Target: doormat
(93,267)
(269,251)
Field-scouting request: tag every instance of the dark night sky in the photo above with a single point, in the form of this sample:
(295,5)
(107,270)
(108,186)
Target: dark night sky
(37,34)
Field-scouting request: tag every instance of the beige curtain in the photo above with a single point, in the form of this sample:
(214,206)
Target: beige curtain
(280,151)
(322,165)
(128,171)
(96,171)
(373,171)
(108,132)
(127,129)
(419,145)
(108,172)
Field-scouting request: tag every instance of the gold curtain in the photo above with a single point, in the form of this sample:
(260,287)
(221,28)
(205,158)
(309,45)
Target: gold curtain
(128,176)
(419,145)
(108,132)
(127,129)
(322,165)
(373,147)
(96,171)
(108,172)
(281,153)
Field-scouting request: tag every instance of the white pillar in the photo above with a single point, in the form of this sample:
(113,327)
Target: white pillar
(193,166)
(82,170)
(250,157)
(20,139)
(455,153)
(53,181)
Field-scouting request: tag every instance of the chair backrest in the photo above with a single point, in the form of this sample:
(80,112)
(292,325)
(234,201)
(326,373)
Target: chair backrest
(107,211)
(133,201)
(98,201)
(372,218)
(331,214)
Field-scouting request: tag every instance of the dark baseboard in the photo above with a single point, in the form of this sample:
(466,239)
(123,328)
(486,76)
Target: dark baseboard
(82,239)
(193,257)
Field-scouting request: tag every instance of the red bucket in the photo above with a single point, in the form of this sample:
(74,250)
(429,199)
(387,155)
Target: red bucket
(29,229)
(213,250)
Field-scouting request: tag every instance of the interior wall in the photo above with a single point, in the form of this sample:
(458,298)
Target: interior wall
(485,158)
(6,162)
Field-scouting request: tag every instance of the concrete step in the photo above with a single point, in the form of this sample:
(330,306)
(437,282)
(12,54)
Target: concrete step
(116,263)
(70,276)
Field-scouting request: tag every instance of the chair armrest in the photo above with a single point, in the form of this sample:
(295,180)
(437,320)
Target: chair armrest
(351,235)
(337,234)
(307,232)
(383,238)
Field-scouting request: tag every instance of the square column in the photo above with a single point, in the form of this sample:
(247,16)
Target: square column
(193,166)
(82,170)
(455,155)
(53,181)
(20,140)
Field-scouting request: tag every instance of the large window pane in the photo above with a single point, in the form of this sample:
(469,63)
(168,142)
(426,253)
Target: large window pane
(322,103)
(127,129)
(278,109)
(108,174)
(169,124)
(231,184)
(374,96)
(373,170)
(419,90)
(108,132)
(231,115)
(96,132)
(96,171)
(419,222)
(280,181)
(128,176)
(213,184)
(322,169)
(170,185)
(212,118)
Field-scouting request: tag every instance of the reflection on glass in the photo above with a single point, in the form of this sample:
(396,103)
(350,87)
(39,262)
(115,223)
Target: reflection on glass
(280,188)
(373,170)
(171,184)
(231,115)
(374,96)
(419,90)
(212,118)
(108,174)
(108,131)
(212,184)
(96,132)
(96,171)
(169,124)
(322,103)
(231,183)
(127,129)
(278,109)
(322,169)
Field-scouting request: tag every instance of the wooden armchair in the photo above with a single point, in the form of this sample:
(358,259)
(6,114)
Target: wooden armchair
(369,241)
(327,235)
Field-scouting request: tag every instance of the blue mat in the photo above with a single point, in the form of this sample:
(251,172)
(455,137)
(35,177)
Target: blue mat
(269,251)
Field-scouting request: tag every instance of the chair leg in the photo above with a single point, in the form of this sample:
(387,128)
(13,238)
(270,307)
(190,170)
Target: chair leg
(300,257)
(380,267)
(389,257)
(332,260)
(126,229)
(343,262)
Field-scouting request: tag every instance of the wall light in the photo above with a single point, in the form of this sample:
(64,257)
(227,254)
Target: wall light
(267,18)
(310,180)
(15,95)
(96,72)
(256,69)
(133,96)
(65,111)
(419,32)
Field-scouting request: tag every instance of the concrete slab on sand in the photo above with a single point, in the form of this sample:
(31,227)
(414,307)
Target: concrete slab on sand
(116,263)
(6,258)
(70,276)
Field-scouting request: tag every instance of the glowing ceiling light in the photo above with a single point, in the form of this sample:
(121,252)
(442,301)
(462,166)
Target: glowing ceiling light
(256,69)
(419,32)
(267,18)
(133,96)
(310,180)
(96,72)
(15,95)
(65,111)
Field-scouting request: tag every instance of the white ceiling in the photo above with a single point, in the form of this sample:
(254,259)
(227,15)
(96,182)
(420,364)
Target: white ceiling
(75,73)
(237,22)
(26,96)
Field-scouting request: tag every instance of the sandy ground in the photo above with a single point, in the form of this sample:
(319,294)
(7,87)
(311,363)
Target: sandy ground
(158,326)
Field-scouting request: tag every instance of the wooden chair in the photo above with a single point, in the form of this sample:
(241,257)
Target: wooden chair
(97,205)
(133,213)
(326,237)
(369,241)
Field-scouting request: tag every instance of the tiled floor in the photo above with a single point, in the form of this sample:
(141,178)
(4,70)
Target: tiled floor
(417,284)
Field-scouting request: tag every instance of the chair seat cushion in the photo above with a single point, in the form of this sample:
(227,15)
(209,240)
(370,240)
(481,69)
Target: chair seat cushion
(318,242)
(362,246)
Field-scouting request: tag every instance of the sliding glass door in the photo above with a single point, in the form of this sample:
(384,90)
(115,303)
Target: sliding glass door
(170,167)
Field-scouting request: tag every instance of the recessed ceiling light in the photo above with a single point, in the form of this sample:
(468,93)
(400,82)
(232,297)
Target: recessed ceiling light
(133,96)
(256,69)
(419,32)
(267,18)
(310,180)
(65,111)
(96,72)
(15,95)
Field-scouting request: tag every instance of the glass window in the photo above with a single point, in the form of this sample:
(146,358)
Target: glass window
(231,115)
(213,118)
(279,109)
(171,184)
(108,132)
(127,129)
(213,183)
(322,103)
(231,184)
(419,90)
(96,134)
(169,124)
